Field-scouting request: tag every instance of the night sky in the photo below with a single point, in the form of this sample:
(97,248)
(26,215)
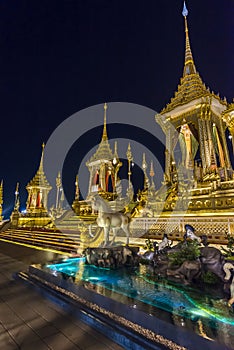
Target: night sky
(58,57)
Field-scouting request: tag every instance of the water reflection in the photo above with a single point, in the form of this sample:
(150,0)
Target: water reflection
(186,307)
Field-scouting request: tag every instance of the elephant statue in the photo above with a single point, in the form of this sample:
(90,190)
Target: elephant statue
(187,272)
(212,260)
(111,257)
(91,256)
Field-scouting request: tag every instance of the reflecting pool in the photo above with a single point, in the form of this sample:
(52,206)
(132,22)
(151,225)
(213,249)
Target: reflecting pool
(204,312)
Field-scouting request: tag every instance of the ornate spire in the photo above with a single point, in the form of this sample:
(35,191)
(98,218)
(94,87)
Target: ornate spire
(145,166)
(104,150)
(152,169)
(189,66)
(191,85)
(58,185)
(104,134)
(42,157)
(58,180)
(17,203)
(130,191)
(152,173)
(77,191)
(116,157)
(40,179)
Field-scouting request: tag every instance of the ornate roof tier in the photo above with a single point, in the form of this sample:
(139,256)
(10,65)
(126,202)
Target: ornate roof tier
(191,86)
(103,151)
(40,179)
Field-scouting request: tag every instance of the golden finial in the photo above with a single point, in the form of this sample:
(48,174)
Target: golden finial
(17,188)
(152,169)
(58,180)
(185,11)
(189,63)
(42,157)
(104,134)
(129,153)
(17,203)
(130,159)
(152,175)
(77,191)
(144,164)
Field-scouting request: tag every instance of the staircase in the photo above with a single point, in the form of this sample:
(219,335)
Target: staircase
(66,242)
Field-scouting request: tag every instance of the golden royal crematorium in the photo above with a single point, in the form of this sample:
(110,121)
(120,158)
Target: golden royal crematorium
(198,185)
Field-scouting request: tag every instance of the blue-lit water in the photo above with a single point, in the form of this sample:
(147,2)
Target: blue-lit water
(201,312)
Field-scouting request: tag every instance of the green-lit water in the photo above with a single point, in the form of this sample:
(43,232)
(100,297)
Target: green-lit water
(205,313)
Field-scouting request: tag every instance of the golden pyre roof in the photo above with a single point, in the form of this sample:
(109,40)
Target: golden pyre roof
(103,151)
(191,85)
(40,180)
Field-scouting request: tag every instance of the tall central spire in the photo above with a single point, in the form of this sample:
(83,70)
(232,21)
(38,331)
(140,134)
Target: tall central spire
(42,158)
(104,134)
(104,150)
(189,66)
(191,85)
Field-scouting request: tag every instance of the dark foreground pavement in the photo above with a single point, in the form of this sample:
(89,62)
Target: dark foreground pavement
(30,322)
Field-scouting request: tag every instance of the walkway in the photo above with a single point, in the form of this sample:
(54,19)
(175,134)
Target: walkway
(27,321)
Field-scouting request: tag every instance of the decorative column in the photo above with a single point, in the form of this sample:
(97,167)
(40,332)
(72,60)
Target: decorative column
(202,144)
(130,160)
(152,186)
(144,167)
(15,214)
(58,186)
(204,137)
(213,162)
(224,142)
(116,165)
(76,203)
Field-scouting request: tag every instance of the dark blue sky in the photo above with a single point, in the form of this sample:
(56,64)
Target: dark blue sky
(57,57)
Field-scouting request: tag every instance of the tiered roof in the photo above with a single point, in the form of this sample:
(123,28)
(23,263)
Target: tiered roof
(40,180)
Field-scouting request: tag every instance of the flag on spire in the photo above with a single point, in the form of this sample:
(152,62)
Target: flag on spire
(185,11)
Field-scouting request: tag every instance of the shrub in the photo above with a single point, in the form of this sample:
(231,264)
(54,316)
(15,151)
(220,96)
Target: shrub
(209,277)
(229,251)
(189,251)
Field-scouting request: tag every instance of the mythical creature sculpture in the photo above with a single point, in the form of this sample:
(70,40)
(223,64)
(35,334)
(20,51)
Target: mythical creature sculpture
(210,259)
(164,243)
(187,272)
(228,267)
(111,257)
(190,233)
(109,219)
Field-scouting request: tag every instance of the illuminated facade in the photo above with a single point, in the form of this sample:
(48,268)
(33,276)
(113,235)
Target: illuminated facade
(103,167)
(36,213)
(198,186)
(195,122)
